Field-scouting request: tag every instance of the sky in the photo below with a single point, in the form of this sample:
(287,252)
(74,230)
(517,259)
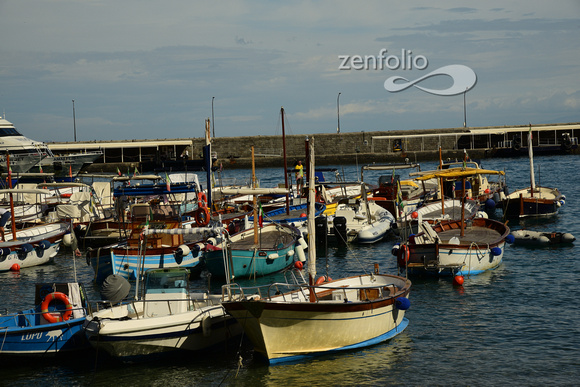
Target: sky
(143,69)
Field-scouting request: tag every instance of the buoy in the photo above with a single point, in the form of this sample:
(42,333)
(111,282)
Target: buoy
(489,204)
(458,280)
(395,250)
(510,238)
(414,215)
(15,267)
(67,239)
(302,243)
(486,190)
(303,215)
(495,251)
(299,265)
(300,252)
(402,303)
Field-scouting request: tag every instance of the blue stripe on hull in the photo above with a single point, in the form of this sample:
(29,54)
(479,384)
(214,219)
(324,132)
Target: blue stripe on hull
(379,339)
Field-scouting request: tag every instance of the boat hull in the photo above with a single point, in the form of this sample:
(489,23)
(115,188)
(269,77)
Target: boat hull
(34,246)
(134,338)
(127,262)
(46,339)
(480,249)
(274,252)
(285,331)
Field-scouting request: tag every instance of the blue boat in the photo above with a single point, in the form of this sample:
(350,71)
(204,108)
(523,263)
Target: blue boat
(151,248)
(240,256)
(54,326)
(297,213)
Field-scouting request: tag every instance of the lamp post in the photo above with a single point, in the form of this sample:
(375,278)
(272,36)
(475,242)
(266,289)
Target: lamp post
(74,121)
(212,119)
(338,113)
(464,110)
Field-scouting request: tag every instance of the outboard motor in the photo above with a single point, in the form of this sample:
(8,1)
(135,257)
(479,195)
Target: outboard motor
(339,224)
(321,232)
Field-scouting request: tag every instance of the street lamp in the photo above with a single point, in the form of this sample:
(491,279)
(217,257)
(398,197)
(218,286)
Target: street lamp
(212,119)
(338,113)
(74,121)
(464,110)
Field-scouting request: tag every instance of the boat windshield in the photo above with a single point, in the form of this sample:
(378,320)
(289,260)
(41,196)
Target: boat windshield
(161,279)
(9,132)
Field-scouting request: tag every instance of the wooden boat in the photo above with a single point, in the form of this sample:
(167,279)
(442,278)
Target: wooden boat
(533,201)
(287,322)
(434,212)
(178,197)
(52,327)
(156,240)
(398,196)
(164,318)
(454,248)
(253,253)
(539,238)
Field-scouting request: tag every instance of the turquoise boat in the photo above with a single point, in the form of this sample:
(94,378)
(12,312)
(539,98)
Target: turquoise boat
(239,256)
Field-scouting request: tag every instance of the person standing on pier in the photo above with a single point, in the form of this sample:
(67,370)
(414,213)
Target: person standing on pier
(299,172)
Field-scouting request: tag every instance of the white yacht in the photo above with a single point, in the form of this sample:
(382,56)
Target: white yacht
(24,152)
(27,155)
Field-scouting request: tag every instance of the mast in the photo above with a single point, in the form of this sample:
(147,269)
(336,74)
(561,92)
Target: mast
(13,226)
(311,228)
(255,201)
(464,195)
(531,155)
(285,164)
(441,184)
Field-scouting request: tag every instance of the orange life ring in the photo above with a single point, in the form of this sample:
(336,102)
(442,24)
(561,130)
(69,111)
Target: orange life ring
(322,279)
(202,216)
(404,255)
(202,198)
(46,302)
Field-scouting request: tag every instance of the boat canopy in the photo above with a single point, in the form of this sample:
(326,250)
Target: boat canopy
(457,173)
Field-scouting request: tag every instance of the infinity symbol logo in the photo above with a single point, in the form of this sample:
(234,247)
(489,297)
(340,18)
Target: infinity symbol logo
(463,78)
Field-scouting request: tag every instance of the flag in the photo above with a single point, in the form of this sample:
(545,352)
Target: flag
(168,181)
(40,168)
(136,172)
(119,172)
(393,176)
(400,196)
(261,216)
(70,170)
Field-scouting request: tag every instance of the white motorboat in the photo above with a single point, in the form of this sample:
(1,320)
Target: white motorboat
(165,318)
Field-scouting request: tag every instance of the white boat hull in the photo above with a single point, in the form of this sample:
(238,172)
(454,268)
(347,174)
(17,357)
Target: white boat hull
(194,330)
(288,327)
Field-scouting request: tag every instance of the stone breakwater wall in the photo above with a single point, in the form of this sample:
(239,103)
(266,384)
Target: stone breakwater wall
(350,147)
(332,149)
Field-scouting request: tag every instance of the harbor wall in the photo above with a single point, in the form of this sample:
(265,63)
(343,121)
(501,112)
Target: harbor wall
(362,147)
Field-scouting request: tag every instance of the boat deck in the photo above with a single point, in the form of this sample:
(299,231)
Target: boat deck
(293,214)
(268,239)
(479,235)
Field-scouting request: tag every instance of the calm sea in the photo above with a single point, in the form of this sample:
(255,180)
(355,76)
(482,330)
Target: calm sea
(516,325)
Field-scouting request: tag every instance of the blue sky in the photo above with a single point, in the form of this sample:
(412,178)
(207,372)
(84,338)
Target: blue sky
(149,69)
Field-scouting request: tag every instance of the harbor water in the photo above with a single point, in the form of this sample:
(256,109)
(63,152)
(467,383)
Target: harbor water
(516,325)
